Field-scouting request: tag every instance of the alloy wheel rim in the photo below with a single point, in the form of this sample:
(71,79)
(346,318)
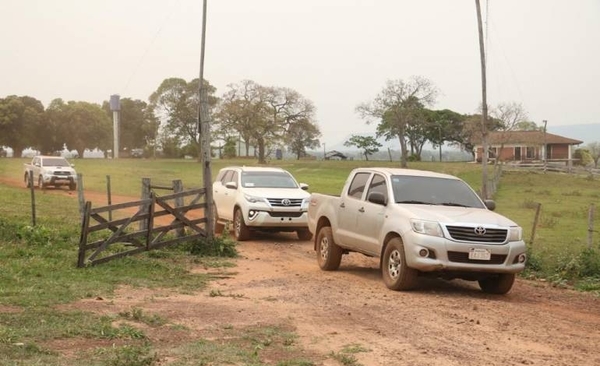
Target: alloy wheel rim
(324,248)
(394,264)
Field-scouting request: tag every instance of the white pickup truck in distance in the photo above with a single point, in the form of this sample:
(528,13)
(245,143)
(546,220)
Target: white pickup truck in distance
(50,171)
(418,223)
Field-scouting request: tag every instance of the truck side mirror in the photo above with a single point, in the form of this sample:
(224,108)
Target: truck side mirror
(304,186)
(491,205)
(377,198)
(231,185)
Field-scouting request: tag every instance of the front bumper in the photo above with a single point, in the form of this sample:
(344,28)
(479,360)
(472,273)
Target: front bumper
(276,219)
(55,180)
(448,255)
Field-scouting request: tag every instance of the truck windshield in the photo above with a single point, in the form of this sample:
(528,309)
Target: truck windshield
(433,191)
(55,162)
(268,180)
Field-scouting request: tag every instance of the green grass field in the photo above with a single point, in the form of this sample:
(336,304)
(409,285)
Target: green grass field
(38,264)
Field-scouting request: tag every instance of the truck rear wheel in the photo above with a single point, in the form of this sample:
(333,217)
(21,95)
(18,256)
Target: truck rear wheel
(329,254)
(497,284)
(396,274)
(27,182)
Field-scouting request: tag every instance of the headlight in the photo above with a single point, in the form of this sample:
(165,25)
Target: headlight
(515,233)
(432,228)
(254,199)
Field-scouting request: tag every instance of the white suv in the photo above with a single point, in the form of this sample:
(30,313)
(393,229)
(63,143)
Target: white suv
(260,199)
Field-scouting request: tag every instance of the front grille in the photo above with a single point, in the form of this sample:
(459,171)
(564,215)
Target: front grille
(285,202)
(461,257)
(58,172)
(285,214)
(472,234)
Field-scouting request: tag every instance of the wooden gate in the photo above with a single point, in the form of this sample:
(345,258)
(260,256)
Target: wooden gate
(114,233)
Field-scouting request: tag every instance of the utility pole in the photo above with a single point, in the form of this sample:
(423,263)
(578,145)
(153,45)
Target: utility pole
(545,157)
(484,131)
(204,131)
(115,107)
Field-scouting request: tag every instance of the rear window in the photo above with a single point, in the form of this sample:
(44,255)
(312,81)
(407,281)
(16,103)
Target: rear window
(358,185)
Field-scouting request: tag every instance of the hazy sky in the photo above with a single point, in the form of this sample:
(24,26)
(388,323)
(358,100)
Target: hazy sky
(544,54)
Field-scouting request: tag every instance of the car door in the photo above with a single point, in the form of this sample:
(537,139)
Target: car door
(349,210)
(230,195)
(220,192)
(371,216)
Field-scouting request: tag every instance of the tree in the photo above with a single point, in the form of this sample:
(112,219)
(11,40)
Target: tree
(263,116)
(396,107)
(594,150)
(302,135)
(368,144)
(443,126)
(138,124)
(82,125)
(19,117)
(176,104)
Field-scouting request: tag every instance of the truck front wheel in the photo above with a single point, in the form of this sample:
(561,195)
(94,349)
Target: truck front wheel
(396,274)
(41,184)
(497,284)
(240,229)
(329,254)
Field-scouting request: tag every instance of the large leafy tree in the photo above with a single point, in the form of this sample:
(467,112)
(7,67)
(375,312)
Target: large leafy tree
(81,125)
(138,124)
(302,135)
(19,118)
(443,126)
(175,103)
(264,116)
(397,106)
(368,144)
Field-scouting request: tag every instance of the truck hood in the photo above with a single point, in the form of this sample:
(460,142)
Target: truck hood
(277,192)
(455,215)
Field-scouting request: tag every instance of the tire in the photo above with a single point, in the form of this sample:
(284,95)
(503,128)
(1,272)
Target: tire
(304,234)
(72,186)
(329,254)
(497,284)
(27,183)
(218,227)
(41,184)
(240,230)
(396,274)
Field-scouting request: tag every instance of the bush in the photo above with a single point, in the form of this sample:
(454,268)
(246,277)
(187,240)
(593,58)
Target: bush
(219,246)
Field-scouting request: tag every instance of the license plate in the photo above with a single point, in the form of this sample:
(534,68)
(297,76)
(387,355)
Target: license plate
(480,254)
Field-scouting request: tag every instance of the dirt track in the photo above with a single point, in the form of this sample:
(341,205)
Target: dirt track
(277,281)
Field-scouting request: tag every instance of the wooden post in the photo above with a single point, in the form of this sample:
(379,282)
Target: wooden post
(145,195)
(80,195)
(178,188)
(85,223)
(591,226)
(32,188)
(108,197)
(535,223)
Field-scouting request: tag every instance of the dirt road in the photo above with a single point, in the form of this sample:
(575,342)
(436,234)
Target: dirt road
(277,281)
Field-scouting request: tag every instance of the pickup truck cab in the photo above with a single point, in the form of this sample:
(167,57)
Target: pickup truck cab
(418,223)
(260,199)
(50,171)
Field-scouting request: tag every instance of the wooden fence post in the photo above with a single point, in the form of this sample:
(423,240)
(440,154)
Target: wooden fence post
(535,223)
(143,208)
(32,188)
(178,188)
(80,196)
(85,224)
(108,197)
(590,237)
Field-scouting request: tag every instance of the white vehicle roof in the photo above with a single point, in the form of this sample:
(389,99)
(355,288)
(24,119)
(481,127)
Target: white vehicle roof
(413,172)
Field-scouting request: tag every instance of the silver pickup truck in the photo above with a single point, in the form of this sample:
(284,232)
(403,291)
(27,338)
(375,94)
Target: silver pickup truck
(50,171)
(418,223)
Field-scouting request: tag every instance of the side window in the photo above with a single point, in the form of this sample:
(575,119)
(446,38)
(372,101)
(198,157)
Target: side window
(234,177)
(358,185)
(226,177)
(220,176)
(379,185)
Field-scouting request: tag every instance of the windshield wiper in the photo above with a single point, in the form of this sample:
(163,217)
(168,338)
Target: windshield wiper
(415,202)
(452,204)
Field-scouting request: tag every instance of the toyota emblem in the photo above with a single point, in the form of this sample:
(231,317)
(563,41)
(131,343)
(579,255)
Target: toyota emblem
(479,230)
(286,202)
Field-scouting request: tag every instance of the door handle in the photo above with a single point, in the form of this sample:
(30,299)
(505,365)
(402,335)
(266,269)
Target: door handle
(362,209)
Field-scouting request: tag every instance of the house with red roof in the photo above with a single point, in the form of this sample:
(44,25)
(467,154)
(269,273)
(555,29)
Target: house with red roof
(527,146)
